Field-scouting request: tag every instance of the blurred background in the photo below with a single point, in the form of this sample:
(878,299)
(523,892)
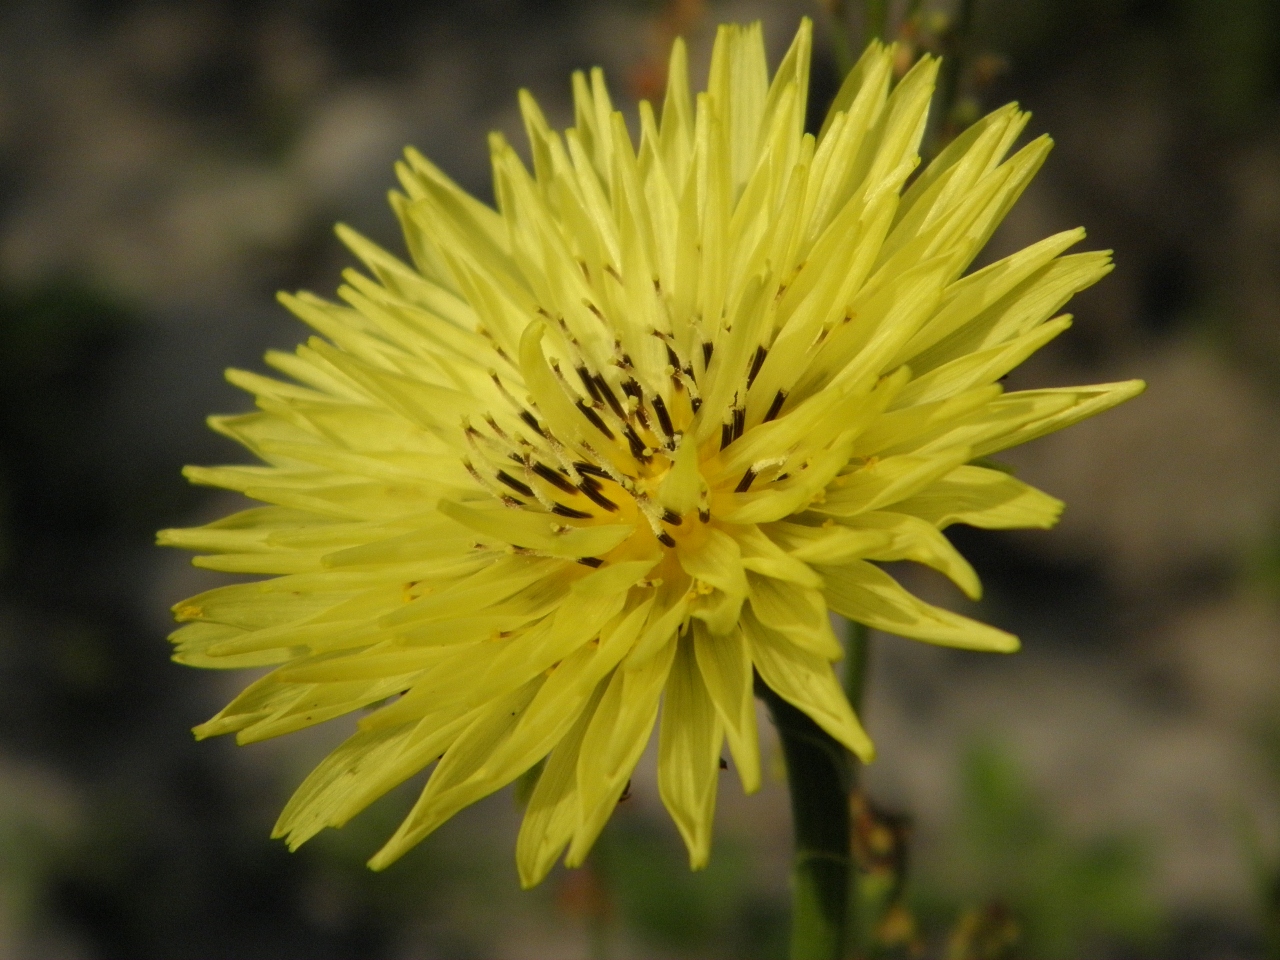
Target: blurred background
(1111,791)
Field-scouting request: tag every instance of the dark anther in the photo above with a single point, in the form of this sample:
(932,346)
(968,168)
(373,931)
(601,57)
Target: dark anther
(532,421)
(609,269)
(664,418)
(594,417)
(704,514)
(596,310)
(723,764)
(666,539)
(590,384)
(590,468)
(512,501)
(561,510)
(695,403)
(779,399)
(636,444)
(592,492)
(671,517)
(708,348)
(626,792)
(591,562)
(671,356)
(632,389)
(493,425)
(739,421)
(756,363)
(745,483)
(554,478)
(514,484)
(726,435)
(609,396)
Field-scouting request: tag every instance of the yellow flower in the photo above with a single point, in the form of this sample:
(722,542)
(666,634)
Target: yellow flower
(626,440)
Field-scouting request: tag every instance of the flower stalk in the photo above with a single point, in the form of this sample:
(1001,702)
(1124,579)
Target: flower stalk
(819,775)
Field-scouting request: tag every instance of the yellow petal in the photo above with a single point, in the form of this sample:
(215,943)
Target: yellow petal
(867,594)
(807,682)
(726,670)
(982,497)
(689,753)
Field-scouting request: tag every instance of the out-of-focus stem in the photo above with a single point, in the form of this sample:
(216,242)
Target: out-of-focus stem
(818,771)
(841,48)
(857,647)
(953,61)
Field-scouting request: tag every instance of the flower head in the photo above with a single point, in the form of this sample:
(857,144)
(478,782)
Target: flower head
(623,442)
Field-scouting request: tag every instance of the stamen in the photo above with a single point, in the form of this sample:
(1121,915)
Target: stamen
(493,425)
(592,562)
(745,483)
(650,512)
(756,363)
(532,422)
(552,477)
(591,490)
(739,421)
(514,484)
(779,399)
(637,446)
(561,510)
(671,517)
(609,397)
(585,376)
(664,418)
(594,418)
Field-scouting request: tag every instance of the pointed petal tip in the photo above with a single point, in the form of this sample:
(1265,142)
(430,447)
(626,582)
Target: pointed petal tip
(867,754)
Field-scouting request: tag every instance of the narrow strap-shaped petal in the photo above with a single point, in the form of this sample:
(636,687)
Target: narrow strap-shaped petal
(613,743)
(807,682)
(491,726)
(552,814)
(725,665)
(865,593)
(982,497)
(689,742)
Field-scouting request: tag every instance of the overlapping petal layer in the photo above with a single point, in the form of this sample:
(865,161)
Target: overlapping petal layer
(592,461)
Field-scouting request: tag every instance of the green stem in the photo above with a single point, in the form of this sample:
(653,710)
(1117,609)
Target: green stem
(818,775)
(841,49)
(956,50)
(855,665)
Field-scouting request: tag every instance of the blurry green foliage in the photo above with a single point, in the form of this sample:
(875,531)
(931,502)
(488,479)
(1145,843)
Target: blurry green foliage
(711,913)
(1067,896)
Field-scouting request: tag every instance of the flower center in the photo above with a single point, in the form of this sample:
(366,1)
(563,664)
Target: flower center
(608,461)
